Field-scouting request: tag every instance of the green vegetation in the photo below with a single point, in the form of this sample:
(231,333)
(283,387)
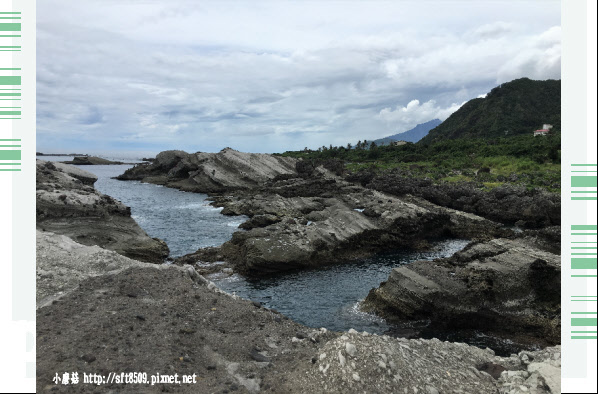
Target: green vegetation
(488,141)
(514,108)
(524,159)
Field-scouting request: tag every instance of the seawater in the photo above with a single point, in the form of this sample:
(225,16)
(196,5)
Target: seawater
(185,221)
(327,297)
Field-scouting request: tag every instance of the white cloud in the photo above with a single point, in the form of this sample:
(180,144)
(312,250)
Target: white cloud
(414,113)
(274,75)
(494,30)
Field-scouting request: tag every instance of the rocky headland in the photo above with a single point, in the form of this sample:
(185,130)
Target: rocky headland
(211,172)
(91,160)
(101,309)
(304,215)
(301,215)
(68,204)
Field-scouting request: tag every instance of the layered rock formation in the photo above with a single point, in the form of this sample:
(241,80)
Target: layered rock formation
(310,217)
(67,203)
(506,287)
(302,216)
(99,312)
(322,219)
(211,172)
(506,204)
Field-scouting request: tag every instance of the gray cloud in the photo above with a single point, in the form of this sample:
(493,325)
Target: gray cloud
(154,75)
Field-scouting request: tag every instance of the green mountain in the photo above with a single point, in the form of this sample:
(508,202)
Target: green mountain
(513,108)
(413,135)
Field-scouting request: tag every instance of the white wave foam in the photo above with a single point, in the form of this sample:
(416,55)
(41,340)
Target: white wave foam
(354,309)
(199,206)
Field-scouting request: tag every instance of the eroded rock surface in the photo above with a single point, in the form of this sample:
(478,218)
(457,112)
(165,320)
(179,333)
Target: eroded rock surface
(380,364)
(211,172)
(302,215)
(508,204)
(508,287)
(322,219)
(68,204)
(118,315)
(62,264)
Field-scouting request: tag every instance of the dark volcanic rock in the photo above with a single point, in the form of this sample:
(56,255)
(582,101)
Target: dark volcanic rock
(67,203)
(326,220)
(259,221)
(506,204)
(503,286)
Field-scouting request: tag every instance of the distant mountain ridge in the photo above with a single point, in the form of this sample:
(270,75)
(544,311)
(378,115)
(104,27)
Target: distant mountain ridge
(413,135)
(513,108)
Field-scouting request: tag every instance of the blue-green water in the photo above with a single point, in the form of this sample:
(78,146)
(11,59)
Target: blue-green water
(326,297)
(185,221)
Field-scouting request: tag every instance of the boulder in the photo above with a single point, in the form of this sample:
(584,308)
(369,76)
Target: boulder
(505,286)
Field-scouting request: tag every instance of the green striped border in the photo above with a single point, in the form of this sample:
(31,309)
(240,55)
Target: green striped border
(584,322)
(10,26)
(10,90)
(10,48)
(583,263)
(584,253)
(588,322)
(581,298)
(589,180)
(11,80)
(10,157)
(10,22)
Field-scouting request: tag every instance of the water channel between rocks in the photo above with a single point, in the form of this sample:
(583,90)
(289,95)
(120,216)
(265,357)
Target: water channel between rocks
(326,297)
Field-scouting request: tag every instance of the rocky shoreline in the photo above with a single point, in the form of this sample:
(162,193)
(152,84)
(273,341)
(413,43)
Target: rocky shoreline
(302,216)
(109,313)
(507,204)
(504,286)
(101,310)
(312,216)
(68,204)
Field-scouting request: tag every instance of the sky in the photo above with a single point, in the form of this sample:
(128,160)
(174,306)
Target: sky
(134,78)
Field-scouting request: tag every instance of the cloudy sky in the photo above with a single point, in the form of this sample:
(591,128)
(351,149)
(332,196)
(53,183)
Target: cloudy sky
(139,77)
